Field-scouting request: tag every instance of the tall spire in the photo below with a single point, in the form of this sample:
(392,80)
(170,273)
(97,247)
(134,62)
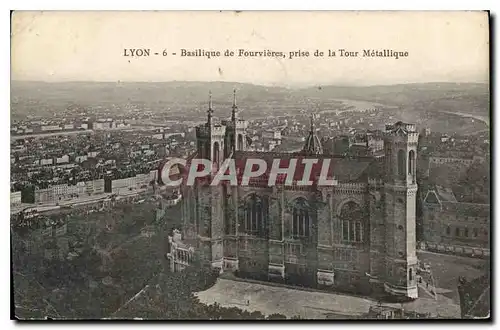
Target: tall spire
(235,107)
(210,111)
(313,143)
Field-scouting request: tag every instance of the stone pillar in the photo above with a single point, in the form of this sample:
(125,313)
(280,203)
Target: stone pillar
(275,219)
(324,224)
(376,237)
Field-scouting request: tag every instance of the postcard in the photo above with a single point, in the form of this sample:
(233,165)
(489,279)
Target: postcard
(240,165)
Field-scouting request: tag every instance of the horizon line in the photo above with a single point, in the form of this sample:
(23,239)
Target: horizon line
(291,86)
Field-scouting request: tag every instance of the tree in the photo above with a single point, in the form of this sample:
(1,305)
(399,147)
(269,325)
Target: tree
(175,299)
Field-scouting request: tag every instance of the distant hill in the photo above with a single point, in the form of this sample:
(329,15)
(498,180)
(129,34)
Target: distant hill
(141,92)
(470,97)
(460,97)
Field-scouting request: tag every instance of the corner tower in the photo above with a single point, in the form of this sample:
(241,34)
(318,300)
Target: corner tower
(236,134)
(204,203)
(210,137)
(400,144)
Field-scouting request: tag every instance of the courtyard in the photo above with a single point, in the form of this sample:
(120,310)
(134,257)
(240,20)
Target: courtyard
(308,304)
(270,298)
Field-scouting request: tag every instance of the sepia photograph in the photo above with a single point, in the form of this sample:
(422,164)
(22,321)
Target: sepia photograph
(243,165)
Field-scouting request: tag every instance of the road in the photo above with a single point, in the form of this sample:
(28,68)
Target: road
(446,270)
(82,200)
(42,135)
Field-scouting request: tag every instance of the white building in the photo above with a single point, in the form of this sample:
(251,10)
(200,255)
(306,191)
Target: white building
(15,198)
(47,161)
(447,160)
(180,255)
(94,187)
(80,159)
(49,128)
(62,160)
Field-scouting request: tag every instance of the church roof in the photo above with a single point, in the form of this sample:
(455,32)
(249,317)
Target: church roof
(467,209)
(432,197)
(448,203)
(446,194)
(344,169)
(400,128)
(440,194)
(341,168)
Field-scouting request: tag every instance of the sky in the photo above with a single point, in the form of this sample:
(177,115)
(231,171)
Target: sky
(89,46)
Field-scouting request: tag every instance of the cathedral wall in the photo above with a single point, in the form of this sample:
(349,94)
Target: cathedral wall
(325,219)
(377,234)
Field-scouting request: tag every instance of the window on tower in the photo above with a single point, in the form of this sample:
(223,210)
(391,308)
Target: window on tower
(240,142)
(411,162)
(352,223)
(401,163)
(215,157)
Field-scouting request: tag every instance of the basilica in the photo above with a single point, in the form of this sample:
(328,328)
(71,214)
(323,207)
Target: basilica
(357,235)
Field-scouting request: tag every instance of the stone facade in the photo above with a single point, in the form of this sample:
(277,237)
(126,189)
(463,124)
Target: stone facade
(454,227)
(354,236)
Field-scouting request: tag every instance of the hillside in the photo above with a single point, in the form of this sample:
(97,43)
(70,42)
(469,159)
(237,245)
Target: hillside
(27,97)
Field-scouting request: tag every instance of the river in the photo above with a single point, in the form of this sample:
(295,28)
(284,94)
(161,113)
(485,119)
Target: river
(484,119)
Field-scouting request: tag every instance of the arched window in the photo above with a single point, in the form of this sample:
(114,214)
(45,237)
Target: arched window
(352,222)
(401,163)
(254,216)
(411,162)
(206,153)
(301,219)
(216,152)
(240,142)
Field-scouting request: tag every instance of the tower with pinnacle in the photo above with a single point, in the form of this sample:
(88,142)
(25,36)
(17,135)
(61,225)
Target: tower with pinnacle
(400,187)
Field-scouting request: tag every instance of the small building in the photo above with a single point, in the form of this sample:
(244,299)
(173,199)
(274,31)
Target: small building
(179,254)
(450,226)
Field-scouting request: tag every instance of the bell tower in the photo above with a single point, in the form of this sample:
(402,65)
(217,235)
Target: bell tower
(400,189)
(240,128)
(210,138)
(208,200)
(236,135)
